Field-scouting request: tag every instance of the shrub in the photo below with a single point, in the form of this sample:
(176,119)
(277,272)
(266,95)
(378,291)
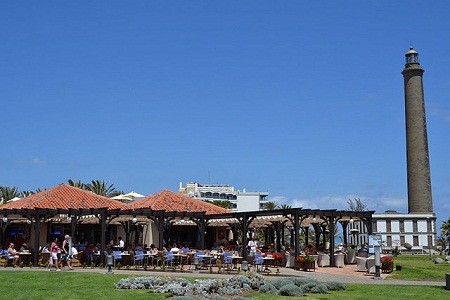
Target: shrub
(309,287)
(335,286)
(269,289)
(319,289)
(278,283)
(185,298)
(304,281)
(291,290)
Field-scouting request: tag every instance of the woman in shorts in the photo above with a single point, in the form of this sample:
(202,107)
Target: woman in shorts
(54,257)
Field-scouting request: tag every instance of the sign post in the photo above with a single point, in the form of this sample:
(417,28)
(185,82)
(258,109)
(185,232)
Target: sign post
(375,242)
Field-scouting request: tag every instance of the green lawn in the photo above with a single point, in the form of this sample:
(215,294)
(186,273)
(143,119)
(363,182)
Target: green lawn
(419,268)
(19,284)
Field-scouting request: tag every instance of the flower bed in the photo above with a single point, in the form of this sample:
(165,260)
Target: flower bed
(305,263)
(387,264)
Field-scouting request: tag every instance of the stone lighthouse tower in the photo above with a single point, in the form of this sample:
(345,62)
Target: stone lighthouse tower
(418,164)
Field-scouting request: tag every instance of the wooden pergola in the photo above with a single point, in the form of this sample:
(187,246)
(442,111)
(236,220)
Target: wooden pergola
(295,218)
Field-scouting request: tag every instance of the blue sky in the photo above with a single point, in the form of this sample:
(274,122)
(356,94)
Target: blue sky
(303,99)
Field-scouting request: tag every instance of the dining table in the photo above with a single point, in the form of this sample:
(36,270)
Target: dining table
(267,261)
(25,257)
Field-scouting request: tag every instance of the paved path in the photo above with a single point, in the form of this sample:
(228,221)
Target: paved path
(347,274)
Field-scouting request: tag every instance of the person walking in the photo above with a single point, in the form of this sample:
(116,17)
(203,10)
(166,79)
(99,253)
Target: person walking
(54,257)
(65,255)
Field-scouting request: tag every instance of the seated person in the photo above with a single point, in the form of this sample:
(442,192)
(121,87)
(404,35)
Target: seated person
(174,249)
(75,252)
(363,251)
(215,247)
(185,249)
(230,246)
(24,248)
(46,248)
(139,248)
(12,254)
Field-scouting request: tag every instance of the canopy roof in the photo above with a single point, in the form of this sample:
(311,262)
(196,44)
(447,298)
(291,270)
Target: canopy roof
(64,197)
(170,201)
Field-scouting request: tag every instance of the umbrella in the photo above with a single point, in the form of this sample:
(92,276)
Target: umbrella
(121,197)
(132,195)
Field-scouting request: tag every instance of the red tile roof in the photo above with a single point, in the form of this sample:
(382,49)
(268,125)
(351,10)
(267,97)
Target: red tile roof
(64,197)
(171,201)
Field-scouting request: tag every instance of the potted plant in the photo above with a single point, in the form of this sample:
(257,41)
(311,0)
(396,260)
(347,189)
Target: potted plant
(395,251)
(304,262)
(387,264)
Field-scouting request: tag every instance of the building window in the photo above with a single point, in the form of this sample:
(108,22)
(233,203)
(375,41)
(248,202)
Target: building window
(429,227)
(389,241)
(208,195)
(374,226)
(388,226)
(402,225)
(414,225)
(415,241)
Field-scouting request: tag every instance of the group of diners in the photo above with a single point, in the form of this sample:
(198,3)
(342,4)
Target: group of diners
(58,254)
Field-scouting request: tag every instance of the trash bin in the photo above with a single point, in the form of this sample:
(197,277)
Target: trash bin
(447,282)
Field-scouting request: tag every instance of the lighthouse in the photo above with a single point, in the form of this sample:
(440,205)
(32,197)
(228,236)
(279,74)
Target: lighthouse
(418,163)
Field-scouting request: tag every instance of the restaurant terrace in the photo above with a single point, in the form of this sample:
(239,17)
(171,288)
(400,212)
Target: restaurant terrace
(163,213)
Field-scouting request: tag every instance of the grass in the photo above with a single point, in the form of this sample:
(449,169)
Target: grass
(21,284)
(419,268)
(66,285)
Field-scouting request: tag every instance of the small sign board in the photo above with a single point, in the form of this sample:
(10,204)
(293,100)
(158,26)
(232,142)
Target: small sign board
(375,240)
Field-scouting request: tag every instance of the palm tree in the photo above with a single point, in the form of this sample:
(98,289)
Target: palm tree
(221,203)
(270,205)
(445,230)
(284,206)
(100,188)
(77,184)
(24,194)
(7,193)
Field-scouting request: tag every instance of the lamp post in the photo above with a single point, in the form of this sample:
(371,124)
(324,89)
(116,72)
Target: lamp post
(245,266)
(110,263)
(196,262)
(421,241)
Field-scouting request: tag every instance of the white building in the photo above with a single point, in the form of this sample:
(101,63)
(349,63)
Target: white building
(419,230)
(396,229)
(240,200)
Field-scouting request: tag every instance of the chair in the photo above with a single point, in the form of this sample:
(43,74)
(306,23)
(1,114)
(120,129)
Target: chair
(3,260)
(160,258)
(258,260)
(44,257)
(316,258)
(138,257)
(228,259)
(351,257)
(289,261)
(361,264)
(117,257)
(364,254)
(339,260)
(169,258)
(75,261)
(201,258)
(323,260)
(370,265)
